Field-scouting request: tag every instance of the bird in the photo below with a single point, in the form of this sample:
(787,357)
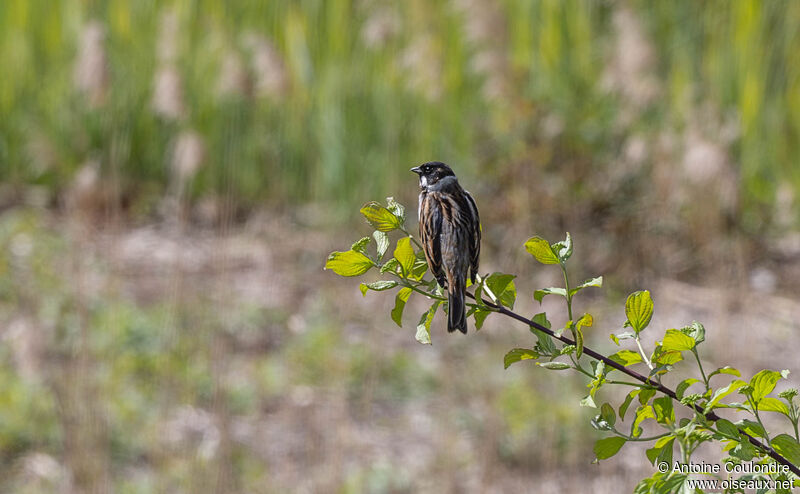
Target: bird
(450,233)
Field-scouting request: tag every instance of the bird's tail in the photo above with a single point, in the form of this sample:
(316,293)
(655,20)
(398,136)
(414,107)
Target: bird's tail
(457,316)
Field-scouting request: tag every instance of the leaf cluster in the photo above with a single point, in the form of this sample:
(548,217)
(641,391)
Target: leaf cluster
(649,403)
(745,440)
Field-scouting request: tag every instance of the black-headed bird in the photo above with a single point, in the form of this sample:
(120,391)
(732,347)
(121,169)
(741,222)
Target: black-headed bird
(450,232)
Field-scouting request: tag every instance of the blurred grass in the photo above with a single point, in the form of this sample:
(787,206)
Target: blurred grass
(364,89)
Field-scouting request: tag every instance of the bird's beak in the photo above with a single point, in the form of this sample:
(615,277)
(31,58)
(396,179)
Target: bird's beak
(416,170)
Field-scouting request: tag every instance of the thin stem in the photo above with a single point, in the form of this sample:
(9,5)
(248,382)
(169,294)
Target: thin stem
(758,418)
(580,368)
(427,294)
(684,449)
(640,439)
(644,355)
(635,375)
(569,297)
(705,379)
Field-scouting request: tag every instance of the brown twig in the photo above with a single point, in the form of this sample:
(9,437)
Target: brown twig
(639,377)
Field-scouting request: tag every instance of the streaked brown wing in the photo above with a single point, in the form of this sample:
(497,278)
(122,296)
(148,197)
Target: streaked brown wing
(430,228)
(475,236)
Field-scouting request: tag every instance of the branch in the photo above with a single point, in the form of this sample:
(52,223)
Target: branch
(656,385)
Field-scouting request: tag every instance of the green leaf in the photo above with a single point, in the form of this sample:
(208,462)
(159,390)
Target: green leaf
(424,327)
(598,282)
(423,334)
(563,249)
(607,413)
(726,427)
(662,407)
(588,401)
(696,331)
(502,285)
(648,485)
(541,319)
(400,304)
(723,392)
(660,370)
(585,320)
(404,254)
(639,309)
(396,208)
(661,450)
(744,451)
(737,406)
(379,217)
(382,242)
(391,266)
(645,394)
(518,354)
(675,340)
(751,427)
(361,245)
(788,447)
(625,404)
(683,385)
(763,383)
(480,316)
(419,269)
(599,369)
(350,263)
(673,484)
(768,404)
(652,453)
(540,249)
(626,357)
(663,441)
(607,447)
(378,286)
(578,342)
(544,343)
(616,338)
(538,295)
(665,357)
(642,413)
(600,424)
(553,365)
(726,370)
(545,346)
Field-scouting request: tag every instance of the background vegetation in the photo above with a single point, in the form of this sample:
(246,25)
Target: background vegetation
(174,174)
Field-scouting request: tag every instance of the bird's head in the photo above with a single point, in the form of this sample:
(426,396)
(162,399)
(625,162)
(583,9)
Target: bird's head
(431,173)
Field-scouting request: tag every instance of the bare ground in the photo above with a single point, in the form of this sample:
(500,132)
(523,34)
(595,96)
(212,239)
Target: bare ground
(314,389)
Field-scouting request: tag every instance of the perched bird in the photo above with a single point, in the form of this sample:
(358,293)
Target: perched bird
(450,231)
